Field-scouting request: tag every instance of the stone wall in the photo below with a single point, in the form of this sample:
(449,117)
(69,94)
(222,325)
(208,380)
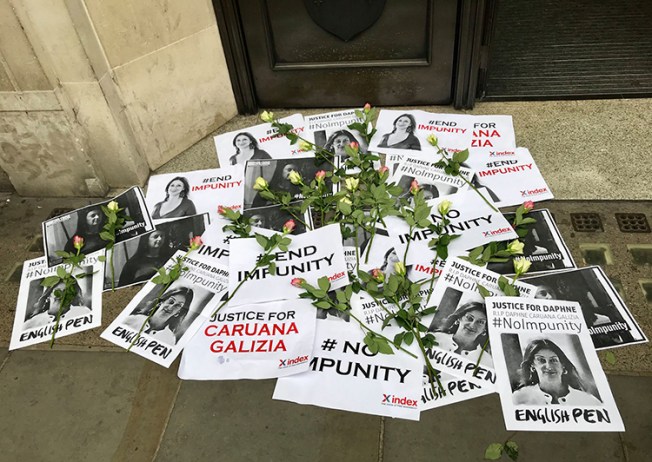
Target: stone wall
(95,94)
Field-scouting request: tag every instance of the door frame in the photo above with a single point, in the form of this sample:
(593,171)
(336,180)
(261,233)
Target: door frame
(471,49)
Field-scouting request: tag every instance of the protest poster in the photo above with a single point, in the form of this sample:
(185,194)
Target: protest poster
(550,378)
(399,132)
(330,131)
(510,176)
(310,256)
(37,306)
(137,260)
(277,173)
(492,131)
(471,218)
(432,180)
(87,222)
(460,323)
(273,218)
(609,321)
(174,195)
(260,142)
(543,247)
(344,374)
(453,390)
(361,236)
(169,318)
(252,342)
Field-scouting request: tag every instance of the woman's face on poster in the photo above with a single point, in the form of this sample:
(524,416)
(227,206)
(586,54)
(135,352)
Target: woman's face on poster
(403,123)
(289,168)
(168,308)
(545,293)
(471,325)
(547,365)
(155,240)
(242,142)
(257,220)
(176,187)
(339,144)
(93,218)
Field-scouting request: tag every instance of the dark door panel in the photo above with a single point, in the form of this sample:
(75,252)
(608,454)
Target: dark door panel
(405,58)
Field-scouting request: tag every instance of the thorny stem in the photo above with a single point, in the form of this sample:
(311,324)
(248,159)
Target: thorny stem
(477,364)
(66,300)
(371,241)
(431,370)
(112,270)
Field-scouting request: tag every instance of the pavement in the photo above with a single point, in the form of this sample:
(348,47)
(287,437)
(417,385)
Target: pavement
(89,400)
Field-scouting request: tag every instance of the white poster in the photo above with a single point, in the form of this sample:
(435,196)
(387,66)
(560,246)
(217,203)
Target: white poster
(264,341)
(344,374)
(510,176)
(331,132)
(492,131)
(609,321)
(310,256)
(37,306)
(167,319)
(433,181)
(174,195)
(550,378)
(460,323)
(260,142)
(453,390)
(87,222)
(406,131)
(470,217)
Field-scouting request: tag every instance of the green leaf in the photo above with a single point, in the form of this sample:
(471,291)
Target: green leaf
(50,281)
(483,291)
(262,240)
(272,268)
(461,156)
(383,346)
(323,283)
(61,272)
(610,357)
(511,449)
(322,304)
(494,451)
(101,258)
(409,338)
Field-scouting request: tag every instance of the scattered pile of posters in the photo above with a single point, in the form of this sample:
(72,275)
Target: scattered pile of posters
(550,378)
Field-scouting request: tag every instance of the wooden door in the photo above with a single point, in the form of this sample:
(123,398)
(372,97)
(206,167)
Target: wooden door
(295,58)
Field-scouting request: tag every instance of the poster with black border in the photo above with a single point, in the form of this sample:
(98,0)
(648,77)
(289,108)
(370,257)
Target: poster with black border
(262,341)
(404,131)
(182,309)
(277,174)
(273,218)
(260,142)
(310,256)
(37,306)
(609,321)
(330,131)
(550,378)
(175,195)
(344,374)
(511,178)
(460,323)
(88,221)
(137,260)
(543,247)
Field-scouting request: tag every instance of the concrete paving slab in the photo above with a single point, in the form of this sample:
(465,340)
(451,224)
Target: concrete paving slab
(238,421)
(65,405)
(462,432)
(634,398)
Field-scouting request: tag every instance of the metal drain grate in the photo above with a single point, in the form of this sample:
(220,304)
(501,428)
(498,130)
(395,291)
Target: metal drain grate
(586,222)
(59,211)
(632,222)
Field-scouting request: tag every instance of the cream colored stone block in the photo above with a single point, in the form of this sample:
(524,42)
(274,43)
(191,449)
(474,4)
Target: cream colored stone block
(129,29)
(5,81)
(17,52)
(42,156)
(52,32)
(110,149)
(29,101)
(177,95)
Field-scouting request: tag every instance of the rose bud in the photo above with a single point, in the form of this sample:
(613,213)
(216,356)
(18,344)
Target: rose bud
(78,242)
(295,177)
(261,184)
(399,268)
(528,205)
(289,226)
(378,275)
(195,243)
(320,175)
(267,117)
(515,247)
(414,187)
(444,207)
(298,282)
(366,108)
(113,206)
(521,266)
